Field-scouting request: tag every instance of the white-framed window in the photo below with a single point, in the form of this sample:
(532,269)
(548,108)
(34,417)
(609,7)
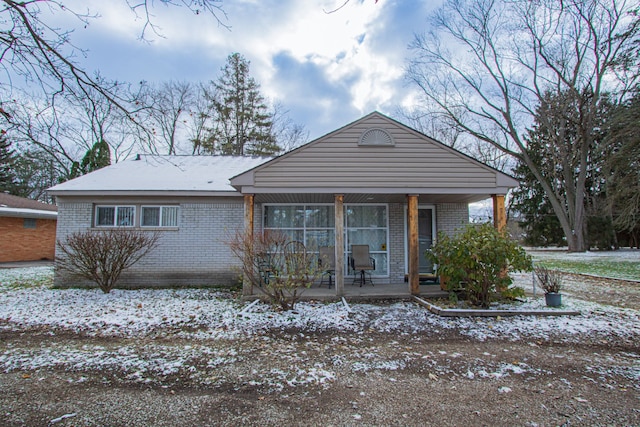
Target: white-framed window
(368,224)
(313,225)
(115,216)
(159,216)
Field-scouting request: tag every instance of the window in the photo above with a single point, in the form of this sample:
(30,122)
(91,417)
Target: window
(368,225)
(29,223)
(159,216)
(312,225)
(115,216)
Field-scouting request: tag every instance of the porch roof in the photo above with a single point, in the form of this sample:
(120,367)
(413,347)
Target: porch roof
(374,159)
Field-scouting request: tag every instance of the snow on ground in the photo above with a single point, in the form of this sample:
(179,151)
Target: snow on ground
(625,254)
(212,314)
(204,317)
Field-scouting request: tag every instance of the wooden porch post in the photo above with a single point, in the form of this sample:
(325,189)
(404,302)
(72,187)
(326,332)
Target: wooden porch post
(499,212)
(414,255)
(247,288)
(339,230)
(499,221)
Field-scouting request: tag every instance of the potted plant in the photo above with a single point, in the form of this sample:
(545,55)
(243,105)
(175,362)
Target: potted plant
(551,283)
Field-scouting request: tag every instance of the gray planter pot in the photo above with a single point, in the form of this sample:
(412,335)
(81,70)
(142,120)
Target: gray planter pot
(553,299)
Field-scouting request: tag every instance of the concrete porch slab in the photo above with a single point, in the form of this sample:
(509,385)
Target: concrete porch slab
(366,292)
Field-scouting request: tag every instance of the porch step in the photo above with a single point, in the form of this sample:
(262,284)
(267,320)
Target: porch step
(425,279)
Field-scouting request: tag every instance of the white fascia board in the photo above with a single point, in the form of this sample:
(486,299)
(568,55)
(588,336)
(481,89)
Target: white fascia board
(155,193)
(371,190)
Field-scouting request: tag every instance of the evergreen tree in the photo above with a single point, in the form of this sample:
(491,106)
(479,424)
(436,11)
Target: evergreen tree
(243,122)
(541,225)
(36,171)
(552,148)
(8,180)
(622,168)
(97,157)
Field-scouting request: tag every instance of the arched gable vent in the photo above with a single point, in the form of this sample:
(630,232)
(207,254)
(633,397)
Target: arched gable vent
(375,136)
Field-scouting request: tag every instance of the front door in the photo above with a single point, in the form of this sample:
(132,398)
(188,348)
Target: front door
(425,238)
(426,233)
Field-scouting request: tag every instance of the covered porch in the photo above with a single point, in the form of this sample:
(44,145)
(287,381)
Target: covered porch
(402,273)
(374,182)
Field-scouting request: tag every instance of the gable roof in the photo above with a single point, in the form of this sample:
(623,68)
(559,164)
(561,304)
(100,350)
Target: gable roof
(159,175)
(404,162)
(20,207)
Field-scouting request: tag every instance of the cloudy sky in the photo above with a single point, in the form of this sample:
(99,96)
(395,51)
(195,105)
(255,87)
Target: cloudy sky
(327,69)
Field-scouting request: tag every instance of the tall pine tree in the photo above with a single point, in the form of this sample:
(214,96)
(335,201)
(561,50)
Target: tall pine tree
(539,221)
(97,157)
(243,122)
(622,168)
(553,147)
(8,180)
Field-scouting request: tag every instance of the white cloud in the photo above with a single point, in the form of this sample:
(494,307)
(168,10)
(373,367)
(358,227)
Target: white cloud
(356,53)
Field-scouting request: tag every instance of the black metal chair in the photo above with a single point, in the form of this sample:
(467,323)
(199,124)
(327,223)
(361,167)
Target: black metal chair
(327,262)
(265,268)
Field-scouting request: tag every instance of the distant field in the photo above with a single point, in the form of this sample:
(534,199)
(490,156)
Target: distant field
(623,264)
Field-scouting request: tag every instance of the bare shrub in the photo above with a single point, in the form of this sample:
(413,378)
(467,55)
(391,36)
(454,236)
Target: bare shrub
(274,265)
(102,256)
(550,280)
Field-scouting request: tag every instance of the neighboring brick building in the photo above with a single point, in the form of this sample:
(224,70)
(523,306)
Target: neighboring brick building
(27,229)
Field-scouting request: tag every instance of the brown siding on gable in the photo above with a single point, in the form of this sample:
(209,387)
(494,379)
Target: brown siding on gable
(18,243)
(414,161)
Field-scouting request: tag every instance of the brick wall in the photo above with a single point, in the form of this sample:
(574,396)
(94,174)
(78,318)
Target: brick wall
(397,234)
(194,254)
(18,243)
(451,217)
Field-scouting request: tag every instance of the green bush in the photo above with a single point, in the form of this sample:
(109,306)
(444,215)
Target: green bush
(477,262)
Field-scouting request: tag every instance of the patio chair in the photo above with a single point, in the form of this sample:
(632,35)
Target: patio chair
(362,264)
(265,268)
(327,262)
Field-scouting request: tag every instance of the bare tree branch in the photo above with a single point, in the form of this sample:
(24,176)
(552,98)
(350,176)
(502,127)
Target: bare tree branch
(489,64)
(32,50)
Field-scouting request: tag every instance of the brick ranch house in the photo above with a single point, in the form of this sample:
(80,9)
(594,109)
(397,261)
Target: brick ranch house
(27,229)
(374,181)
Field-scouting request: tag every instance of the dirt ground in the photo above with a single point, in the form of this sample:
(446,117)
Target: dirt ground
(442,378)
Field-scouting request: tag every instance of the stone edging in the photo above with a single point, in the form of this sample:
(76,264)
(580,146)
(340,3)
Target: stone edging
(457,312)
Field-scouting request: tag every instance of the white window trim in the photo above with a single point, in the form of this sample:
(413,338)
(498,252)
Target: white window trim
(115,216)
(161,216)
(346,243)
(346,237)
(434,231)
(304,228)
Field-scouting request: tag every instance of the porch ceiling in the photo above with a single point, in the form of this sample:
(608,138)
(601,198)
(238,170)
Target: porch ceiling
(289,198)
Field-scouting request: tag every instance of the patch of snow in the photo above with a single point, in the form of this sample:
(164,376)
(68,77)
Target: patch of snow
(208,318)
